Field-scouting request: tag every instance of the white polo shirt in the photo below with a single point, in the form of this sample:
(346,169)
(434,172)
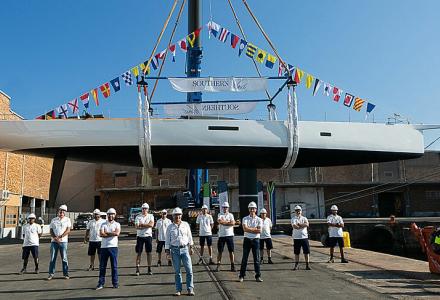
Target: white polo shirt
(161,227)
(59,226)
(265,229)
(302,232)
(224,230)
(31,233)
(94,227)
(252,222)
(335,231)
(205,222)
(111,241)
(141,219)
(178,235)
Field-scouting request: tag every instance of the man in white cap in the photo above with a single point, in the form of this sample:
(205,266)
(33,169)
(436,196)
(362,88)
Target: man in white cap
(265,237)
(59,231)
(205,223)
(144,223)
(161,230)
(252,225)
(335,233)
(300,237)
(32,233)
(109,232)
(226,223)
(93,238)
(179,244)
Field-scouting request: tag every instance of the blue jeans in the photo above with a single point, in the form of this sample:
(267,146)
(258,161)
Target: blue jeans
(54,248)
(178,256)
(248,245)
(107,253)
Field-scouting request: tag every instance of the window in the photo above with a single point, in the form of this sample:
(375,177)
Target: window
(120,174)
(213,179)
(164,182)
(388,173)
(432,195)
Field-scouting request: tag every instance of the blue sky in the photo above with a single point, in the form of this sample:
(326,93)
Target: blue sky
(385,51)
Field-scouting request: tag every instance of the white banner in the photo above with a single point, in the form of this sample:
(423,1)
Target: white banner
(203,109)
(218,84)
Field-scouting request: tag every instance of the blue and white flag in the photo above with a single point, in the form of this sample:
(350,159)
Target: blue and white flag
(223,36)
(115,84)
(127,78)
(242,46)
(62,111)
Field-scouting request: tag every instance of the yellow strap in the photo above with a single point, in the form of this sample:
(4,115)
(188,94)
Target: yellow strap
(437,240)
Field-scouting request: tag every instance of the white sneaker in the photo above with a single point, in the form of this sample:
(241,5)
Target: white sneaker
(240,279)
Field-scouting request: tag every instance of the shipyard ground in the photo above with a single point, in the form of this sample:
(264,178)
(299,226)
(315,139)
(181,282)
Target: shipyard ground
(369,275)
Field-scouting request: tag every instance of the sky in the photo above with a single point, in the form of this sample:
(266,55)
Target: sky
(387,52)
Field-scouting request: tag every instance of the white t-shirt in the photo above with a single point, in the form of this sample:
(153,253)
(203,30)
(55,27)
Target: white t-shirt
(59,226)
(111,241)
(302,232)
(252,223)
(31,233)
(265,229)
(335,231)
(225,230)
(141,219)
(161,227)
(205,222)
(94,227)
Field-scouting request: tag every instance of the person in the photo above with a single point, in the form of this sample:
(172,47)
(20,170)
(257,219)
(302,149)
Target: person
(435,241)
(205,223)
(179,244)
(109,233)
(265,237)
(161,230)
(59,231)
(226,223)
(335,225)
(252,225)
(93,238)
(32,233)
(144,224)
(300,237)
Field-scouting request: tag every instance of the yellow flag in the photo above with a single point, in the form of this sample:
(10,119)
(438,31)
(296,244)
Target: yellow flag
(261,55)
(143,65)
(298,75)
(135,71)
(309,81)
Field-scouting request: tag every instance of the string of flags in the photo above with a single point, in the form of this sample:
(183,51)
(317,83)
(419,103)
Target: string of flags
(72,108)
(269,60)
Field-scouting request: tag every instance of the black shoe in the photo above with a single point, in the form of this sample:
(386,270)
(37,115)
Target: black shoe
(295,267)
(261,261)
(169,263)
(211,262)
(233,268)
(308,268)
(149,271)
(90,268)
(218,268)
(116,286)
(200,261)
(137,271)
(269,261)
(344,261)
(37,271)
(159,263)
(22,271)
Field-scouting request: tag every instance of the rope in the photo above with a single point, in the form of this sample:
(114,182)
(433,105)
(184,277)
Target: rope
(168,47)
(266,36)
(244,36)
(165,25)
(292,129)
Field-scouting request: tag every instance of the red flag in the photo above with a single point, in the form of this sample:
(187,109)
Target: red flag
(105,89)
(336,94)
(182,44)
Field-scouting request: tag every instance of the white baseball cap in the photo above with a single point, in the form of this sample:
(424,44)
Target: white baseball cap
(334,207)
(31,216)
(263,211)
(96,212)
(252,205)
(111,211)
(164,211)
(63,207)
(145,205)
(204,206)
(298,207)
(225,204)
(103,213)
(177,211)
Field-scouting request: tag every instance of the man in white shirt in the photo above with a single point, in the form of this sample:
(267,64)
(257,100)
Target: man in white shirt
(300,237)
(252,225)
(161,230)
(93,238)
(205,223)
(59,231)
(226,223)
(265,237)
(144,223)
(32,233)
(109,233)
(335,233)
(179,244)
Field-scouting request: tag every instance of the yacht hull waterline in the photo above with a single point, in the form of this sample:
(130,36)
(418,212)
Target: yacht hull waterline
(212,143)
